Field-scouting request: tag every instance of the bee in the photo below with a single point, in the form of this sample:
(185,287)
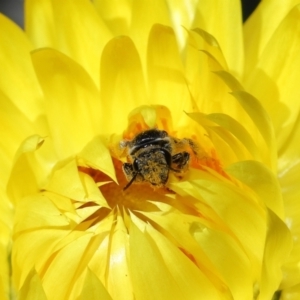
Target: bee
(153,155)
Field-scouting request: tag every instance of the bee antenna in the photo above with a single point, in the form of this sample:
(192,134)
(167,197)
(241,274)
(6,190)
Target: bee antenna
(130,182)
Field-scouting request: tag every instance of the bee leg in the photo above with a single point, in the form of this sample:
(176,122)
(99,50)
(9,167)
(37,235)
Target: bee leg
(180,161)
(128,170)
(193,146)
(130,173)
(130,182)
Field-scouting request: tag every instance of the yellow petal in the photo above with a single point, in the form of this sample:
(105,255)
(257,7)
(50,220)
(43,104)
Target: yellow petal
(15,128)
(63,204)
(97,156)
(37,219)
(190,279)
(92,192)
(263,123)
(238,130)
(25,160)
(228,147)
(5,229)
(99,263)
(32,288)
(223,20)
(262,181)
(41,209)
(182,14)
(289,181)
(261,25)
(93,288)
(274,79)
(18,81)
(68,267)
(221,248)
(240,211)
(148,114)
(277,248)
(167,84)
(210,46)
(197,66)
(291,293)
(66,182)
(205,66)
(144,256)
(177,227)
(116,14)
(122,82)
(39,23)
(79,32)
(118,274)
(144,15)
(71,92)
(230,80)
(289,150)
(2,292)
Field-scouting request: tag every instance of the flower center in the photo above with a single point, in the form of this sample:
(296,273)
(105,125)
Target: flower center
(136,197)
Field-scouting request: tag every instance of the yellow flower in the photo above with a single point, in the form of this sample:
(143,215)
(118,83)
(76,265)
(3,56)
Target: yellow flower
(272,73)
(101,74)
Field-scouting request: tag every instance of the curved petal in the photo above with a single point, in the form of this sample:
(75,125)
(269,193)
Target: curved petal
(66,182)
(167,83)
(263,123)
(18,82)
(165,281)
(278,247)
(39,23)
(195,244)
(144,15)
(97,156)
(116,14)
(81,34)
(289,180)
(205,66)
(15,128)
(220,247)
(158,284)
(191,280)
(238,130)
(93,288)
(223,20)
(225,144)
(262,181)
(260,26)
(37,219)
(122,82)
(288,151)
(239,211)
(19,185)
(5,240)
(68,266)
(73,106)
(292,293)
(32,288)
(274,80)
(118,263)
